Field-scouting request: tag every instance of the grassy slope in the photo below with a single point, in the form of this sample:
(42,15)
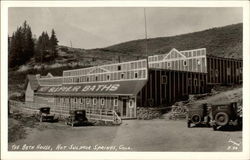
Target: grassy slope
(224,41)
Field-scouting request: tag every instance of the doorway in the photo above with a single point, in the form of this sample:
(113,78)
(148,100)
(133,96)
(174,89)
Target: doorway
(124,107)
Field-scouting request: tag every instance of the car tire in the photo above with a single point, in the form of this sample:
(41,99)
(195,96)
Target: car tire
(188,124)
(214,127)
(196,119)
(221,118)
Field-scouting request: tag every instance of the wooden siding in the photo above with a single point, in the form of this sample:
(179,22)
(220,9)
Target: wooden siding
(67,103)
(224,71)
(189,60)
(112,72)
(168,86)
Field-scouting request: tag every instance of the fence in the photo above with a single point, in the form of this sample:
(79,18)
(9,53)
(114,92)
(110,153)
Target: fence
(94,114)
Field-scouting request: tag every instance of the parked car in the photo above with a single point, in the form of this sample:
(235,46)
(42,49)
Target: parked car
(78,118)
(198,115)
(45,116)
(226,114)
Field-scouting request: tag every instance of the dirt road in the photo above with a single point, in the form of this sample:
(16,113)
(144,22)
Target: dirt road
(132,135)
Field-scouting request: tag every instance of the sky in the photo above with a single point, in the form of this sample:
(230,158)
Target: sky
(101,27)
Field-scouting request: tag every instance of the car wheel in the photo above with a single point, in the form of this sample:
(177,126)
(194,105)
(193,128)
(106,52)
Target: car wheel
(196,119)
(214,127)
(221,118)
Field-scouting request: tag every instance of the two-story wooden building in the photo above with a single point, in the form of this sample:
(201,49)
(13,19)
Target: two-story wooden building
(160,80)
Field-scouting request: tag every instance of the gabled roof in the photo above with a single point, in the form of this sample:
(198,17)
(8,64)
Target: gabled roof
(179,54)
(33,82)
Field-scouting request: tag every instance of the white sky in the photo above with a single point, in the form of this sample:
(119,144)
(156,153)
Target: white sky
(100,27)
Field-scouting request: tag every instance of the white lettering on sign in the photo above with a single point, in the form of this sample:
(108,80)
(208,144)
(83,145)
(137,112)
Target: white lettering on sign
(114,87)
(110,87)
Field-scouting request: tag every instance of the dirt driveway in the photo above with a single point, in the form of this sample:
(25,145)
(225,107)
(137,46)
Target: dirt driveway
(132,135)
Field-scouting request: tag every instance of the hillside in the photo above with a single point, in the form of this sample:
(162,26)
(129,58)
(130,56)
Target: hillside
(223,41)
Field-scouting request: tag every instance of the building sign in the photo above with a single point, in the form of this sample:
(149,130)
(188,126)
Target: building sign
(78,88)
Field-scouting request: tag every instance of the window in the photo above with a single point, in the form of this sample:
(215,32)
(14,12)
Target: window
(195,82)
(184,63)
(115,102)
(216,72)
(119,68)
(164,79)
(108,77)
(122,75)
(169,64)
(198,62)
(131,103)
(240,70)
(136,74)
(81,100)
(96,78)
(87,79)
(87,100)
(94,101)
(102,101)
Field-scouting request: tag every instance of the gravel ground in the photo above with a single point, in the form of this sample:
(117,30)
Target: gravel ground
(132,135)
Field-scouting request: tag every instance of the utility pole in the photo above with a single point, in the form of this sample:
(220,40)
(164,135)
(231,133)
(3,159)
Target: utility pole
(146,36)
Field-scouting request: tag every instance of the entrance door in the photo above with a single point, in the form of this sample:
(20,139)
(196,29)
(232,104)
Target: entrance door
(124,107)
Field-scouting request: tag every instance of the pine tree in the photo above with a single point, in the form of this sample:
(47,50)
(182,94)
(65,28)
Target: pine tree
(53,45)
(21,46)
(42,49)
(28,42)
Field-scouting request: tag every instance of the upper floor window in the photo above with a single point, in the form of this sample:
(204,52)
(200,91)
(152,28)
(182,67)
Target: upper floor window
(169,64)
(136,74)
(122,75)
(184,63)
(198,62)
(119,68)
(108,77)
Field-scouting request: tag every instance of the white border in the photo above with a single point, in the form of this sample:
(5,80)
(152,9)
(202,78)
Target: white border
(123,155)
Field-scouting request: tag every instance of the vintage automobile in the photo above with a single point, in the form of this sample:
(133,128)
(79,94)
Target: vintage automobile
(198,115)
(45,116)
(226,114)
(77,118)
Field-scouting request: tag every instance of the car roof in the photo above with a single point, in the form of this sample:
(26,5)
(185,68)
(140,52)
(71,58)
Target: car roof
(222,104)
